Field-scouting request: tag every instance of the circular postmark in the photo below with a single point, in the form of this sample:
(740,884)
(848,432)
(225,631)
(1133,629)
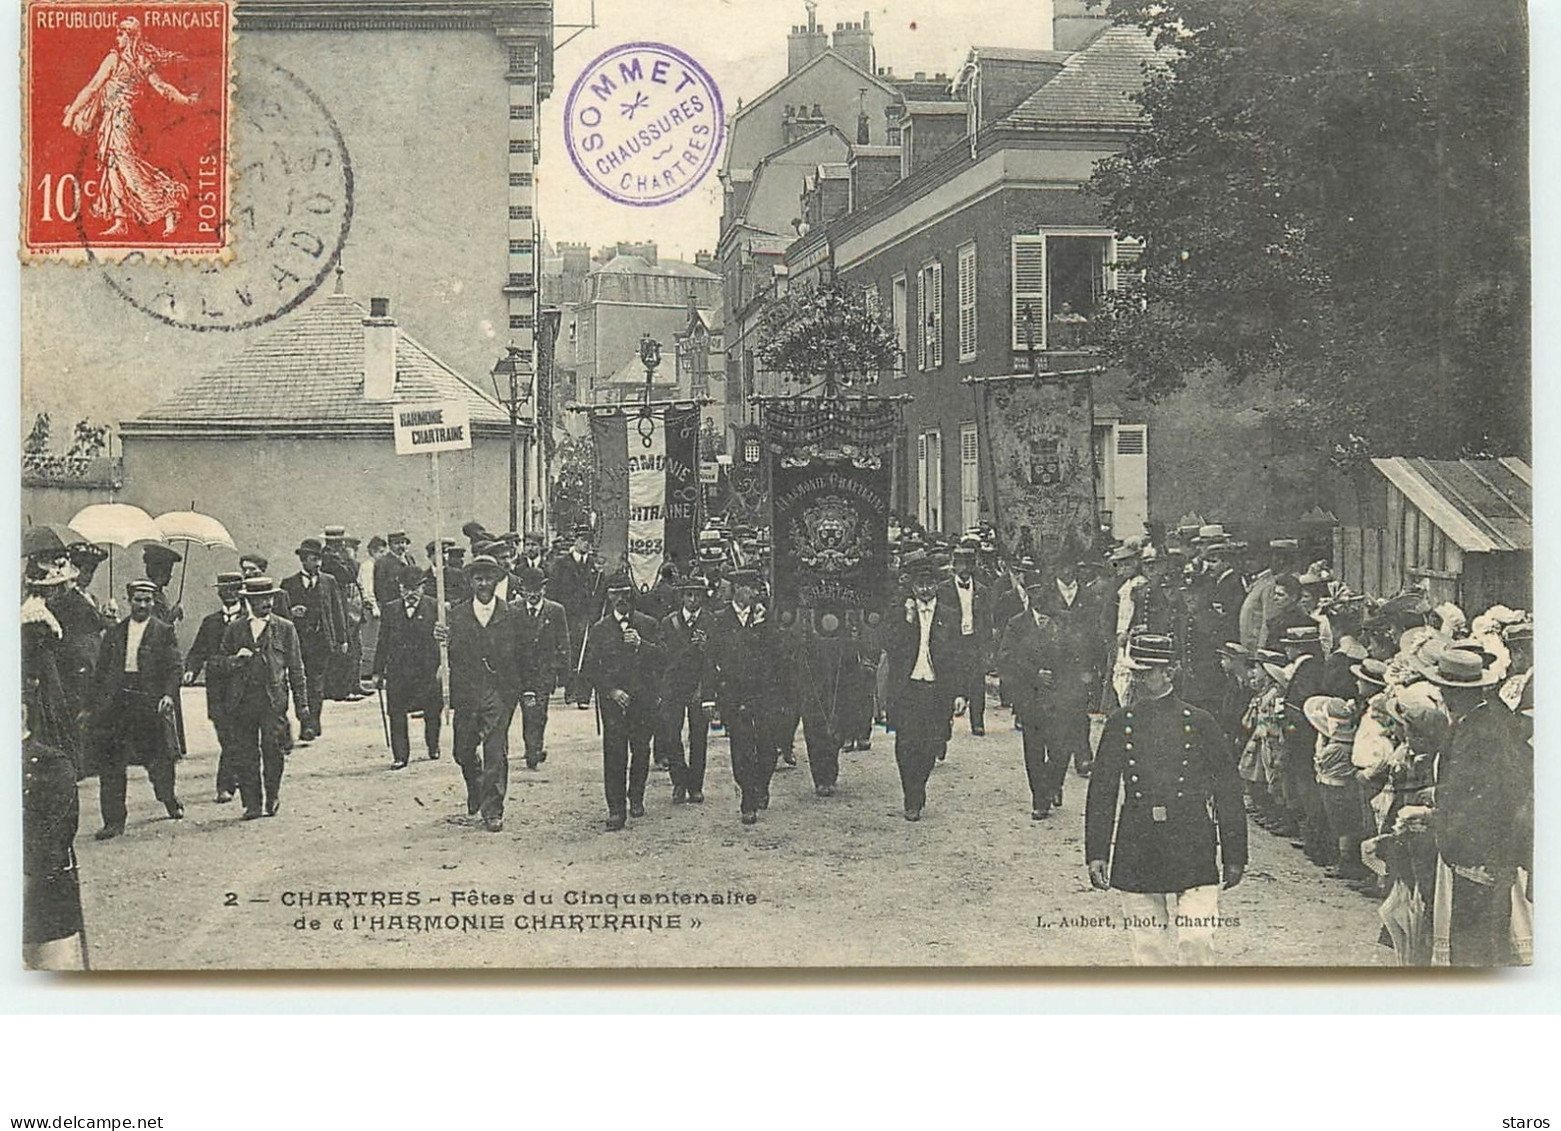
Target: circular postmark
(643,124)
(290,212)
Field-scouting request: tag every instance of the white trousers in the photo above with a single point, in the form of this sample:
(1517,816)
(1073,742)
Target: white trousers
(1158,938)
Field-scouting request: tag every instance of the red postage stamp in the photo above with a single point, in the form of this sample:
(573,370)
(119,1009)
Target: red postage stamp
(126,129)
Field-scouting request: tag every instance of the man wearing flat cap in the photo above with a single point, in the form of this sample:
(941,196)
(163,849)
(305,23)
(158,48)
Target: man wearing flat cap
(1163,821)
(206,648)
(484,688)
(315,607)
(261,660)
(132,710)
(624,663)
(406,666)
(543,626)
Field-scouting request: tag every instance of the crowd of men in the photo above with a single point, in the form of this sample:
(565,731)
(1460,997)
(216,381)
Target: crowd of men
(1389,740)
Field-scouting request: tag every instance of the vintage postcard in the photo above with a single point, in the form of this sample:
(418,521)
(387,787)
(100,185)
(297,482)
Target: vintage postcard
(534,484)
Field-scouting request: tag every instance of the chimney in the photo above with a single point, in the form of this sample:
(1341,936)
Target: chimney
(379,352)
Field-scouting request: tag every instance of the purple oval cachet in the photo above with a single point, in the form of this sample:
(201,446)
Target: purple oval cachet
(643,123)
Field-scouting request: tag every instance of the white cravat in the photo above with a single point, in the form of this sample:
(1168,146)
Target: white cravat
(742,615)
(922,672)
(133,644)
(967,598)
(484,613)
(231,613)
(257,625)
(1068,593)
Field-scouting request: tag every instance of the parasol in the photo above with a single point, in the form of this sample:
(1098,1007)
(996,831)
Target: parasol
(117,524)
(196,529)
(49,538)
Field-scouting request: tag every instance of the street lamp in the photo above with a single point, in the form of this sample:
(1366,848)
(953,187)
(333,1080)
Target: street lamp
(650,357)
(512,366)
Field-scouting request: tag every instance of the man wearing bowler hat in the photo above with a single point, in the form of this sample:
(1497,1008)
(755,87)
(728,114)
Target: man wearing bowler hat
(923,646)
(575,582)
(406,666)
(690,690)
(1163,821)
(484,687)
(624,663)
(315,607)
(743,648)
(206,648)
(132,710)
(260,660)
(1036,673)
(388,567)
(543,627)
(159,562)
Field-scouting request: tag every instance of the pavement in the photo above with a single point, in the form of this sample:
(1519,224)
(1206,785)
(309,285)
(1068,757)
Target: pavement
(365,868)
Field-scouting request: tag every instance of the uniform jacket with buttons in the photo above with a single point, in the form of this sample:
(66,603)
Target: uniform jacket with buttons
(1164,758)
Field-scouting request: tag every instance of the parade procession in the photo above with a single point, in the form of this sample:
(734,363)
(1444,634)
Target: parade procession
(835,637)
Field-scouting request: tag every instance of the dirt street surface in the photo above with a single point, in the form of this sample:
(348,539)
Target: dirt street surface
(368,868)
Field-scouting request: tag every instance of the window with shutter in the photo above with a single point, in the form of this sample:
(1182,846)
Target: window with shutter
(897,312)
(969,476)
(921,316)
(1029,291)
(933,316)
(1125,254)
(1130,441)
(967,303)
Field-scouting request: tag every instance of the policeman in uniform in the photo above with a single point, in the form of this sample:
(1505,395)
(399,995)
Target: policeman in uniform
(623,662)
(1164,817)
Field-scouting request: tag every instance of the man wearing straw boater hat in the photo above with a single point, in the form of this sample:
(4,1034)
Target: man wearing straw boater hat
(484,687)
(207,647)
(132,708)
(1163,822)
(315,607)
(261,659)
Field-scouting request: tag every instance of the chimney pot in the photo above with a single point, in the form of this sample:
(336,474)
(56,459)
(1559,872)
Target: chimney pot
(379,308)
(379,352)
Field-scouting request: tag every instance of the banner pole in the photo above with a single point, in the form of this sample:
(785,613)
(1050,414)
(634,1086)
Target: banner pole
(444,644)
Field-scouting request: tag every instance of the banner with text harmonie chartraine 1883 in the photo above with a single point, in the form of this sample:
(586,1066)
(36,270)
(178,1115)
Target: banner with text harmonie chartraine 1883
(648,490)
(1038,433)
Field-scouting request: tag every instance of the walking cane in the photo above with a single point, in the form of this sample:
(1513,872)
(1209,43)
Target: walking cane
(384,716)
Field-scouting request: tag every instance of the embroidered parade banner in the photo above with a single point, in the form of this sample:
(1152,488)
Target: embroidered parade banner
(647,488)
(1037,431)
(829,473)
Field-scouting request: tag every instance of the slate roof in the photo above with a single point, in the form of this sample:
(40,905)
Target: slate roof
(306,377)
(635,265)
(1484,505)
(1095,86)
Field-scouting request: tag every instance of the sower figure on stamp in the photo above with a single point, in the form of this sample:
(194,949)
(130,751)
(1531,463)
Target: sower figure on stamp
(132,714)
(575,583)
(689,691)
(544,657)
(923,648)
(206,648)
(260,660)
(743,647)
(484,687)
(1164,818)
(406,666)
(973,601)
(1033,664)
(623,662)
(315,608)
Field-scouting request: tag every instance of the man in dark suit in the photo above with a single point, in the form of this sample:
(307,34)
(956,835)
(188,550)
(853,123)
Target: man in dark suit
(623,662)
(971,600)
(82,624)
(575,582)
(484,687)
(1073,609)
(689,692)
(543,628)
(316,610)
(207,647)
(389,566)
(924,648)
(744,649)
(260,660)
(1034,670)
(132,711)
(406,666)
(1179,828)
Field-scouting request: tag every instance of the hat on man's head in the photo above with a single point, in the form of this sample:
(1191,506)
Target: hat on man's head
(1149,553)
(255,560)
(335,533)
(1374,672)
(1301,636)
(1212,532)
(582,530)
(1122,554)
(156,553)
(1236,651)
(1270,656)
(484,564)
(1149,650)
(141,585)
(1284,543)
(963,553)
(398,536)
(530,578)
(745,576)
(454,554)
(532,538)
(311,546)
(490,547)
(1459,667)
(1520,630)
(692,581)
(412,575)
(476,532)
(228,577)
(260,587)
(621,582)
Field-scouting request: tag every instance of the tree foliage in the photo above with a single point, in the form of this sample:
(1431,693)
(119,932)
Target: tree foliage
(825,332)
(1333,196)
(573,490)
